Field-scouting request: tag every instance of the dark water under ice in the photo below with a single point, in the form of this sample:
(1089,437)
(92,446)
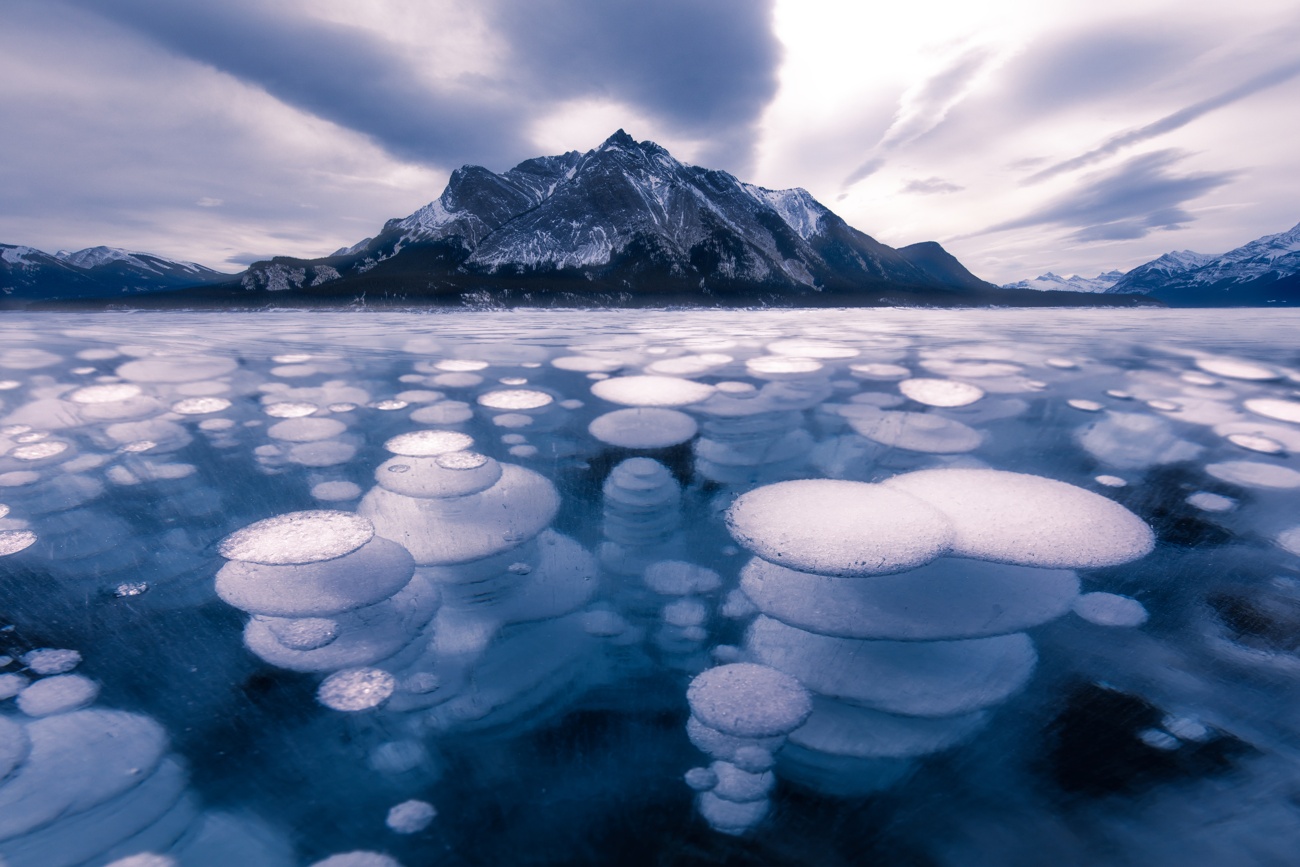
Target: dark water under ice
(279,587)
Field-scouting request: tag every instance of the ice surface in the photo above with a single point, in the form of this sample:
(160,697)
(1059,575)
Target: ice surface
(523,585)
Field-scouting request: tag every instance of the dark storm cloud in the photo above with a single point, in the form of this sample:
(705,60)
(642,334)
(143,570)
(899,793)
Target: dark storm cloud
(1127,202)
(704,69)
(1171,122)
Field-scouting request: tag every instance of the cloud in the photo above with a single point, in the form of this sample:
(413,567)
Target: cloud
(1171,122)
(1127,202)
(209,202)
(928,186)
(706,69)
(924,106)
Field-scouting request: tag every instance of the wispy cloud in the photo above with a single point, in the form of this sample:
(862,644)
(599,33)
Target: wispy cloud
(924,106)
(1127,202)
(929,186)
(1171,122)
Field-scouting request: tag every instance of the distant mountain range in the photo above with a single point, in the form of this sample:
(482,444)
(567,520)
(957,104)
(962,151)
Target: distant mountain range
(626,224)
(96,272)
(1264,272)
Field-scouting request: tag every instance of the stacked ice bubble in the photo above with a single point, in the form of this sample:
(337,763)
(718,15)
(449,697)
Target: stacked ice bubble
(326,595)
(87,785)
(901,605)
(511,587)
(740,715)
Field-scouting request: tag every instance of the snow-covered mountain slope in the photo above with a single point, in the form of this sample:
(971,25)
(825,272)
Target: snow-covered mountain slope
(95,272)
(1050,282)
(1263,271)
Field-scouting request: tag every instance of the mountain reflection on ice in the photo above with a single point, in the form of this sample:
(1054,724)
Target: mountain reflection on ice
(757,587)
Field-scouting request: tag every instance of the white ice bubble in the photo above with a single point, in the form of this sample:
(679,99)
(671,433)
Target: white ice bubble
(1061,363)
(1164,405)
(913,431)
(411,817)
(1236,368)
(811,349)
(680,578)
(879,371)
(306,430)
(1270,407)
(1110,609)
(358,858)
(146,859)
(1286,437)
(1290,540)
(1255,474)
(586,364)
(356,689)
(1085,405)
(1256,443)
(643,428)
(11,684)
(766,366)
(108,393)
(27,358)
(389,405)
(839,527)
(290,409)
(453,474)
(912,678)
(176,368)
(298,537)
(944,599)
(13,541)
(40,451)
(1159,740)
(303,633)
(1029,520)
(661,391)
(1111,481)
(49,660)
(337,491)
(461,365)
(837,729)
(200,405)
(1186,728)
(749,701)
(58,694)
(701,779)
(428,443)
(443,412)
(940,392)
(1207,502)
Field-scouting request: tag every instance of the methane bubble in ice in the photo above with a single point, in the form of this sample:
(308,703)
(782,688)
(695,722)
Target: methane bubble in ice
(176,368)
(1110,481)
(1282,410)
(1110,609)
(1028,520)
(109,393)
(661,391)
(358,859)
(1085,405)
(305,430)
(1255,474)
(13,541)
(356,689)
(290,409)
(769,365)
(879,371)
(1290,540)
(1207,502)
(298,537)
(50,660)
(811,349)
(643,428)
(428,443)
(914,431)
(411,817)
(515,398)
(1256,443)
(336,491)
(1239,432)
(1235,368)
(58,694)
(839,527)
(200,405)
(748,701)
(940,392)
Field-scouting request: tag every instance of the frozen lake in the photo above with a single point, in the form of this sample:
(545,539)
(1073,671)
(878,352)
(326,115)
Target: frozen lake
(900,587)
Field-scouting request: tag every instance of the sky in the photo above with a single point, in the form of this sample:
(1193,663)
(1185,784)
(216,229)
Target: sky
(1073,136)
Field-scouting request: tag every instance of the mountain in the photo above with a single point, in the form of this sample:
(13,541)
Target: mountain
(1265,271)
(624,224)
(1050,282)
(96,272)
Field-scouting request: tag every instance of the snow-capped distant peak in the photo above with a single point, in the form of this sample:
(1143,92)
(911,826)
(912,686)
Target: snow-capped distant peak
(1050,282)
(93,257)
(18,254)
